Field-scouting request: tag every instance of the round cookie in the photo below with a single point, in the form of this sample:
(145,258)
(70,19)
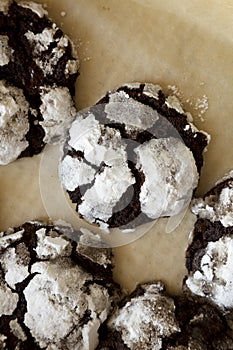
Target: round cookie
(209,257)
(127,157)
(38,70)
(54,292)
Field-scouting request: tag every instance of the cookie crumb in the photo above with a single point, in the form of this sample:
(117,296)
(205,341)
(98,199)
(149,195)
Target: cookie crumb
(176,91)
(202,106)
(86,59)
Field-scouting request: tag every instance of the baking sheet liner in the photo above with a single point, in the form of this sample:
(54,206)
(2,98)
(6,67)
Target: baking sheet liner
(184,46)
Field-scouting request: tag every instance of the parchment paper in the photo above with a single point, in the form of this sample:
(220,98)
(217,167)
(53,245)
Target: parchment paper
(186,47)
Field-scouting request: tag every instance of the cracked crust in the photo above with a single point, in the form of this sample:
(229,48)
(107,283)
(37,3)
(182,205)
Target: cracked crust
(208,257)
(28,62)
(42,272)
(155,119)
(200,326)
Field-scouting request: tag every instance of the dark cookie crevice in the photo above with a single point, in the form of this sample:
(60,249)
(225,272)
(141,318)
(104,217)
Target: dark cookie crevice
(214,192)
(23,75)
(204,232)
(208,258)
(101,272)
(122,215)
(76,197)
(200,323)
(110,340)
(127,213)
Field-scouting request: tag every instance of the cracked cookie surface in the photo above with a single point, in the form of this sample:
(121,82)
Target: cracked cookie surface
(209,258)
(126,158)
(54,292)
(38,64)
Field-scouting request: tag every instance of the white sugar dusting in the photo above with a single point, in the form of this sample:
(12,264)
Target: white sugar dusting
(64,305)
(220,209)
(214,279)
(14,123)
(200,104)
(58,112)
(144,320)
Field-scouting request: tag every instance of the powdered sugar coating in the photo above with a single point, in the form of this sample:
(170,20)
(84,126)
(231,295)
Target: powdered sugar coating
(99,145)
(150,90)
(217,209)
(144,320)
(97,142)
(37,57)
(41,42)
(101,198)
(14,123)
(211,274)
(214,279)
(58,112)
(8,299)
(165,163)
(61,303)
(75,172)
(123,109)
(14,263)
(173,102)
(59,293)
(49,247)
(9,237)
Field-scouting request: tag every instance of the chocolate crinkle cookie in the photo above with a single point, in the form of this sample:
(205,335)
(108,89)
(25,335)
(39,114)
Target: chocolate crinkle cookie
(126,158)
(38,70)
(54,292)
(149,319)
(209,257)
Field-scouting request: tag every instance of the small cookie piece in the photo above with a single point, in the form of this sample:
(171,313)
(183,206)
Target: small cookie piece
(209,258)
(127,158)
(39,68)
(145,318)
(49,296)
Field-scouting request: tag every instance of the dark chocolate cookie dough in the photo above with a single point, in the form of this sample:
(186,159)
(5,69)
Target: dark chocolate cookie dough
(202,327)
